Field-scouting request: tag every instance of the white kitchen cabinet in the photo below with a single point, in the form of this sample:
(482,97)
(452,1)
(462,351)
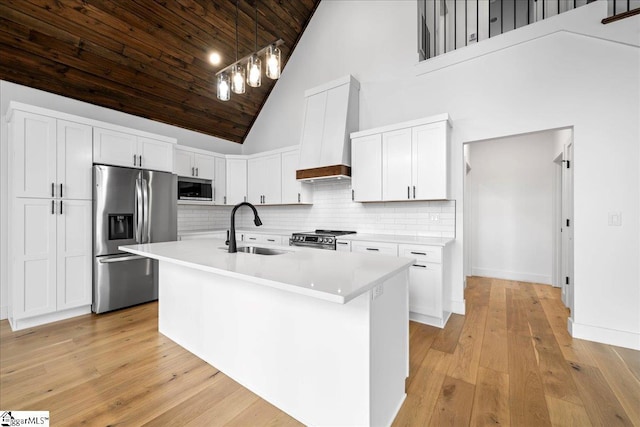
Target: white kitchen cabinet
(396,165)
(293,191)
(366,168)
(220,181)
(51,158)
(118,148)
(425,283)
(382,248)
(414,157)
(343,245)
(52,257)
(194,164)
(264,179)
(271,239)
(236,180)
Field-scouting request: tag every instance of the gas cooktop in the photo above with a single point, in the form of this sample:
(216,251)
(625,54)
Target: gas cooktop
(321,239)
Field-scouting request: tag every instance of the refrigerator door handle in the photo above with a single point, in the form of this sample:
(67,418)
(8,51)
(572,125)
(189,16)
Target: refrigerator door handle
(139,210)
(108,259)
(145,212)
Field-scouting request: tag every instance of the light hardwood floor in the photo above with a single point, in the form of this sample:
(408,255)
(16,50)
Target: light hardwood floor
(509,361)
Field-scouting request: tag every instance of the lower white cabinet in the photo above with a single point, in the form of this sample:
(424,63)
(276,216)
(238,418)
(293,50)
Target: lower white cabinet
(426,276)
(51,265)
(381,248)
(425,283)
(271,239)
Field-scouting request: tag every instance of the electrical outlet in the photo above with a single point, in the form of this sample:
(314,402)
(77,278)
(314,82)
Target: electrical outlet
(615,219)
(377,291)
(434,217)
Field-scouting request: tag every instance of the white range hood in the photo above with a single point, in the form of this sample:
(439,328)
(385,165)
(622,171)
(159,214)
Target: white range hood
(331,113)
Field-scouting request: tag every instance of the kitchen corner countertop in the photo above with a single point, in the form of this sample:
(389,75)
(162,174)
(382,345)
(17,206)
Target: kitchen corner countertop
(398,238)
(329,275)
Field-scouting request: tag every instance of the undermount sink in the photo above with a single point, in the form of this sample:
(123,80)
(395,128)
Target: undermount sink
(260,251)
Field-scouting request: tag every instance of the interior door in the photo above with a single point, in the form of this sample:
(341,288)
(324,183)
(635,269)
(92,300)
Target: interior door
(567,226)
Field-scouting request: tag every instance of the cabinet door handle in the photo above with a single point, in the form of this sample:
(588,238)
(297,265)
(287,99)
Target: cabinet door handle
(343,243)
(134,160)
(414,191)
(196,171)
(193,171)
(60,207)
(140,160)
(271,240)
(53,189)
(420,265)
(252,238)
(60,189)
(353,194)
(214,194)
(298,197)
(419,253)
(53,207)
(408,192)
(225,200)
(373,249)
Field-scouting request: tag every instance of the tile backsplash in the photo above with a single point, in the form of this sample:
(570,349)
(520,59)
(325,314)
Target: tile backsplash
(333,209)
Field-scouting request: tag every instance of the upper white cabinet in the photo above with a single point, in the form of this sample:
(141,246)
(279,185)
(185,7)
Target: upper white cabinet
(191,163)
(413,159)
(51,157)
(366,172)
(220,181)
(127,149)
(236,180)
(331,113)
(293,191)
(264,179)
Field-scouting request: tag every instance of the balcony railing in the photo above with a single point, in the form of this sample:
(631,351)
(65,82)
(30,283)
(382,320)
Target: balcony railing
(446,25)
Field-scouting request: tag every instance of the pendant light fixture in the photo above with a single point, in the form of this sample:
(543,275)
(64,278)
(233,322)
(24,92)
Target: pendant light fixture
(254,66)
(237,71)
(248,70)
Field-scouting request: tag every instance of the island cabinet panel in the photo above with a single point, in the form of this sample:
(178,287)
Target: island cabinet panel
(322,362)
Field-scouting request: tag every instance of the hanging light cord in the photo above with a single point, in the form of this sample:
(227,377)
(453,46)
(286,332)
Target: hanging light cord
(237,30)
(256,24)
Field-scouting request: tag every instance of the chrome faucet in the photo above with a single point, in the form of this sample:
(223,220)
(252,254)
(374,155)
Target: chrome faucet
(232,234)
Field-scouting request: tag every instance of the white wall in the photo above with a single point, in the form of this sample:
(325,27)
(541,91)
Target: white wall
(569,70)
(13,92)
(511,207)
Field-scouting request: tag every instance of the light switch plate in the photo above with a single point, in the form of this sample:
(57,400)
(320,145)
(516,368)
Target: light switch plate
(615,219)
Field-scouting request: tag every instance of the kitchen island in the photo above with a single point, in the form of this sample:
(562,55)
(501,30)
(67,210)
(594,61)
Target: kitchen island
(322,335)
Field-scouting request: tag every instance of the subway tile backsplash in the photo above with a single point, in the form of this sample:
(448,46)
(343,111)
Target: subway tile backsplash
(333,209)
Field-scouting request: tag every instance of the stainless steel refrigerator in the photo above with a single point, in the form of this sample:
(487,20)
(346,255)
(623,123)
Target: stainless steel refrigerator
(129,206)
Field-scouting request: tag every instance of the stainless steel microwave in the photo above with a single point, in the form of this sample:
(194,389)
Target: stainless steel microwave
(194,189)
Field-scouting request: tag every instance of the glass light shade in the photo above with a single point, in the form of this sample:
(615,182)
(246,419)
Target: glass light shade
(254,71)
(237,79)
(273,62)
(223,87)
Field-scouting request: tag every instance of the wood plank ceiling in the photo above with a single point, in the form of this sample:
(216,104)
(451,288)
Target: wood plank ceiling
(147,57)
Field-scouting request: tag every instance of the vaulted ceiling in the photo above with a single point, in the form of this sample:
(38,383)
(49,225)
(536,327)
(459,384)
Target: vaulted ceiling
(147,57)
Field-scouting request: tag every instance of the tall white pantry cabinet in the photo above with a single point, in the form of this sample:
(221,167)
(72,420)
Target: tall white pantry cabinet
(50,246)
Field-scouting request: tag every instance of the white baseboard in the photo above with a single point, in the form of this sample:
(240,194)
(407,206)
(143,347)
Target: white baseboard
(512,275)
(4,312)
(30,322)
(458,307)
(604,335)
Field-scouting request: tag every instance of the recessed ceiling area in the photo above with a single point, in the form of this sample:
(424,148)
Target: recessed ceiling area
(147,58)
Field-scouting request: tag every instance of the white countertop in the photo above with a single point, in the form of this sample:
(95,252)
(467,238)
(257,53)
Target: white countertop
(398,238)
(328,275)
